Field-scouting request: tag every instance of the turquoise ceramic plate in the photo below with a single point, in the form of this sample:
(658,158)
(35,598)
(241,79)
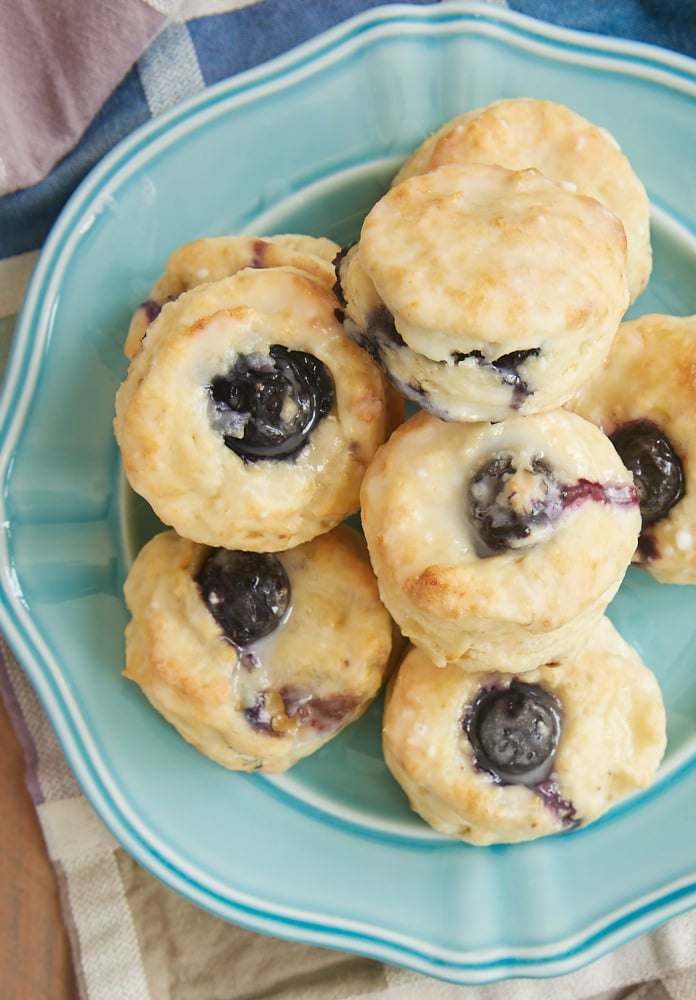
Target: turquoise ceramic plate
(328,854)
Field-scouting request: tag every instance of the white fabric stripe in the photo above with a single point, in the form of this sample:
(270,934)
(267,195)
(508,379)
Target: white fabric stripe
(84,849)
(202,8)
(164,88)
(681,985)
(79,843)
(111,963)
(14,276)
(162,6)
(52,774)
(4,180)
(73,831)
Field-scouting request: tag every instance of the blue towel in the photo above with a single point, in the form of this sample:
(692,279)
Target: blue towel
(191,54)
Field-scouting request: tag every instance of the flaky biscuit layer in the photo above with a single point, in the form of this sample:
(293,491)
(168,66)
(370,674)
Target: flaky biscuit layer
(212,258)
(484,292)
(530,132)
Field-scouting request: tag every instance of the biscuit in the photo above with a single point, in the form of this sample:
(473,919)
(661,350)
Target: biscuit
(528,132)
(498,543)
(580,736)
(248,417)
(212,258)
(256,659)
(484,292)
(644,398)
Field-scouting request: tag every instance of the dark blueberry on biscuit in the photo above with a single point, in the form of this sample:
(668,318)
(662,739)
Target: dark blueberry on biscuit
(324,714)
(381,327)
(513,503)
(378,338)
(281,712)
(247,593)
(338,286)
(267,405)
(507,367)
(258,716)
(514,732)
(258,253)
(619,494)
(549,793)
(657,470)
(459,357)
(152,309)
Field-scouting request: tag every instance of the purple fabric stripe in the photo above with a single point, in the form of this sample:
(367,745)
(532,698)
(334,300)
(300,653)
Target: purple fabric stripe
(58,64)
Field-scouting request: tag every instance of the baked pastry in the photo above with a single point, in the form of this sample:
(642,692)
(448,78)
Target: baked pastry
(484,292)
(497,758)
(528,132)
(216,257)
(499,543)
(257,659)
(248,417)
(644,398)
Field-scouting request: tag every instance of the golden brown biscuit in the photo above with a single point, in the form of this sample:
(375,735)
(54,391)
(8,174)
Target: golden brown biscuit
(494,758)
(529,132)
(498,543)
(257,659)
(644,398)
(210,259)
(248,417)
(484,292)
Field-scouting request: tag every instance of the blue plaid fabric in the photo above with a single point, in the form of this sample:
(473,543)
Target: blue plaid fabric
(204,50)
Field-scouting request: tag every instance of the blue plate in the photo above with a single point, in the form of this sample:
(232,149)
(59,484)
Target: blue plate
(328,854)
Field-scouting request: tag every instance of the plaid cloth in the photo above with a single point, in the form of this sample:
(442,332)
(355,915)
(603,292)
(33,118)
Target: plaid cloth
(76,77)
(48,124)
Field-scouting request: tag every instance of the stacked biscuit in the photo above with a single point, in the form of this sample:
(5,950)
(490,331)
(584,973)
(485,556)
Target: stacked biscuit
(264,404)
(247,419)
(489,283)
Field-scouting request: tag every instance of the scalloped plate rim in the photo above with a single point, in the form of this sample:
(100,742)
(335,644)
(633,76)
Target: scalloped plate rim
(461,966)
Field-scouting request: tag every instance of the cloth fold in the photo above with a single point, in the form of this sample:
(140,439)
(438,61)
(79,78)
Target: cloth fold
(82,76)
(58,64)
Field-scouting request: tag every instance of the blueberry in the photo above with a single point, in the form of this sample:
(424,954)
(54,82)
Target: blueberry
(152,309)
(657,470)
(507,367)
(279,713)
(259,251)
(382,328)
(549,793)
(513,504)
(618,494)
(267,405)
(338,286)
(323,714)
(648,547)
(258,716)
(514,732)
(247,593)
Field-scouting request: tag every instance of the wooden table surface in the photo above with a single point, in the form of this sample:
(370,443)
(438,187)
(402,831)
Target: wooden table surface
(34,952)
